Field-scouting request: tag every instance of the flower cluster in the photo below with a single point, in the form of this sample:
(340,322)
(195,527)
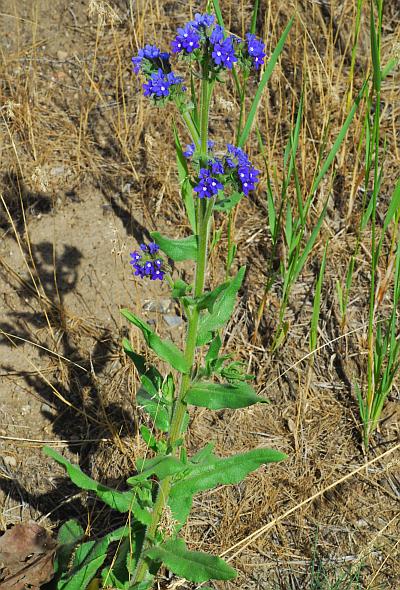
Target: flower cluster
(255,50)
(154,64)
(159,84)
(208,186)
(202,32)
(151,57)
(146,264)
(241,166)
(233,168)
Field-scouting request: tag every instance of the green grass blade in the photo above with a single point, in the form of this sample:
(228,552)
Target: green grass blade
(254,17)
(266,76)
(342,134)
(317,303)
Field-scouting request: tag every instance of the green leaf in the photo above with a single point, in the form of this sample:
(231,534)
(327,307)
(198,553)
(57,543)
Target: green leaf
(394,206)
(222,311)
(215,471)
(149,375)
(186,187)
(216,396)
(191,565)
(68,537)
(160,466)
(180,289)
(88,558)
(180,249)
(165,349)
(342,134)
(226,203)
(214,348)
(266,76)
(208,299)
(121,501)
(154,406)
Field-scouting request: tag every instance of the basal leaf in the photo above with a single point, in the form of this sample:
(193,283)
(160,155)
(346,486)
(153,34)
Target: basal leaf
(191,565)
(222,310)
(180,249)
(121,501)
(165,349)
(216,396)
(68,537)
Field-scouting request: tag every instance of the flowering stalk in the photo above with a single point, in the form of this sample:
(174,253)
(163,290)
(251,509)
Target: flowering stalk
(166,483)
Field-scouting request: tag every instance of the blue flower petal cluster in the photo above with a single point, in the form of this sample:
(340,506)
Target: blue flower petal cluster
(191,148)
(203,32)
(223,53)
(145,265)
(159,84)
(238,161)
(154,56)
(255,50)
(208,186)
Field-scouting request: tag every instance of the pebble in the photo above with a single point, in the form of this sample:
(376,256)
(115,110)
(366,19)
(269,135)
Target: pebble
(10,461)
(46,408)
(3,432)
(161,305)
(57,170)
(62,54)
(173,321)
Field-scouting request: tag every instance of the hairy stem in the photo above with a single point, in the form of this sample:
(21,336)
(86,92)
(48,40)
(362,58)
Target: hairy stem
(204,212)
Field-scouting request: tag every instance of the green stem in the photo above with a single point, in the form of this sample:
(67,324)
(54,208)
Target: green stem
(204,212)
(191,127)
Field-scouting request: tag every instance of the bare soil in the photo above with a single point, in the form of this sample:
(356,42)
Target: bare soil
(87,170)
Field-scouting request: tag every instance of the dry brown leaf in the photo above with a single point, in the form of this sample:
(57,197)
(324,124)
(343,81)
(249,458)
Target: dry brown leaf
(26,557)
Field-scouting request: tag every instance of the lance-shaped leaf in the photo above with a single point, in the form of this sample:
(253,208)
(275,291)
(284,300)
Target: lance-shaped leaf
(160,466)
(154,406)
(180,249)
(121,501)
(165,349)
(216,396)
(222,309)
(215,471)
(87,560)
(191,565)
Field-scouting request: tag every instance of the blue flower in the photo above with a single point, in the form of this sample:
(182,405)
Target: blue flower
(135,257)
(148,268)
(217,35)
(154,55)
(189,151)
(224,54)
(242,169)
(143,247)
(153,247)
(256,50)
(191,148)
(159,83)
(217,166)
(202,20)
(139,270)
(187,39)
(157,274)
(207,186)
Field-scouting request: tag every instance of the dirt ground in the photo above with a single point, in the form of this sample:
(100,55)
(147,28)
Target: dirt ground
(87,170)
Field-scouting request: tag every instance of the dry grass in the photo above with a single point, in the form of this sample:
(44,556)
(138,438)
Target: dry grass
(87,166)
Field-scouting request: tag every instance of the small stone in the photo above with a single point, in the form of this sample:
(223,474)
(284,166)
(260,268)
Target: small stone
(25,409)
(160,305)
(3,432)
(46,408)
(10,461)
(62,55)
(57,170)
(173,321)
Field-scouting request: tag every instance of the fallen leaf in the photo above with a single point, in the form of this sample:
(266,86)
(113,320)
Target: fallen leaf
(26,557)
